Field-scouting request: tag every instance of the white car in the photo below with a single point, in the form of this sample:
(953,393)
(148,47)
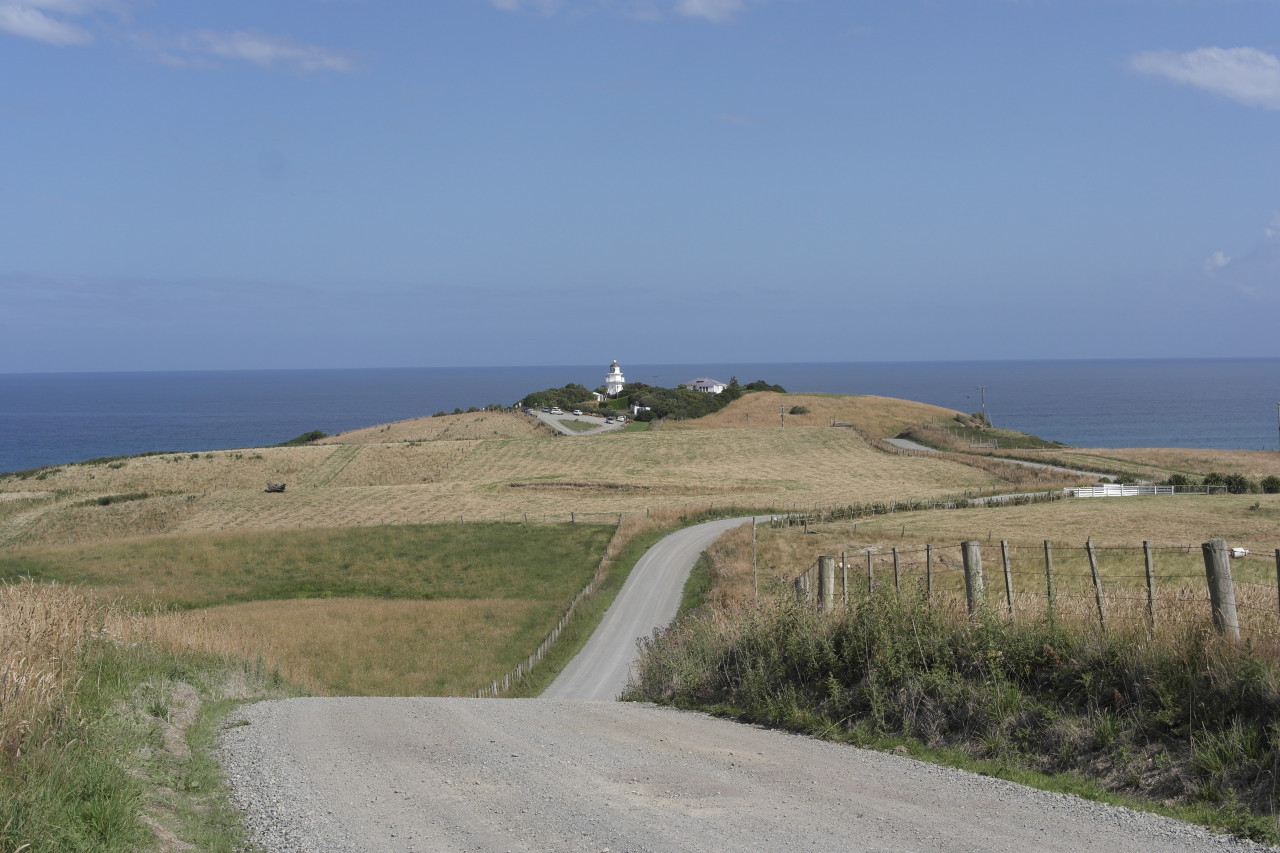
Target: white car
(577,411)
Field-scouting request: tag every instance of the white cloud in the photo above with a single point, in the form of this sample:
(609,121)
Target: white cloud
(32,21)
(1244,74)
(711,10)
(1256,273)
(716,11)
(259,49)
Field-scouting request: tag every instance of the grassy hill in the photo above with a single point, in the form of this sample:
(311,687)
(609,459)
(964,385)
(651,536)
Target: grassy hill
(352,581)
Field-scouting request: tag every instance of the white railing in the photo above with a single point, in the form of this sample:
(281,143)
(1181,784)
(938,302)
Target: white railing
(1117,490)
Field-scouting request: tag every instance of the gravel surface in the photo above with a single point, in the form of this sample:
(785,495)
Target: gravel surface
(420,775)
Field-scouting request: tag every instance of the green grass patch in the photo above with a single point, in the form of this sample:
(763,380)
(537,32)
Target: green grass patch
(578,426)
(437,561)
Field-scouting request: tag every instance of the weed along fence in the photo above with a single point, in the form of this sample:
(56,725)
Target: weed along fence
(1156,588)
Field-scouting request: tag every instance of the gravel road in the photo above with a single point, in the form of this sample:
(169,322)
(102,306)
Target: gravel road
(392,774)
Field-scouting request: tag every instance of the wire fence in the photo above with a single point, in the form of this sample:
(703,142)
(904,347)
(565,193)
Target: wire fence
(1153,588)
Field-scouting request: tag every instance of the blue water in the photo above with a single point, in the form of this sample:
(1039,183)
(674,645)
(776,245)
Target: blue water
(48,419)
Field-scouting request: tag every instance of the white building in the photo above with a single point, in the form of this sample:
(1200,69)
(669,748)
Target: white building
(614,380)
(702,383)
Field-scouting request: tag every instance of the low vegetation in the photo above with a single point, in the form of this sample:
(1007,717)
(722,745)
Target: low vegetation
(106,716)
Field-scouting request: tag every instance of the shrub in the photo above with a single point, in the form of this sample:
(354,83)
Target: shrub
(305,438)
(1270,484)
(1238,484)
(799,410)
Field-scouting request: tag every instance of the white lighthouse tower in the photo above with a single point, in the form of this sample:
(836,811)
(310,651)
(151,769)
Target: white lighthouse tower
(614,380)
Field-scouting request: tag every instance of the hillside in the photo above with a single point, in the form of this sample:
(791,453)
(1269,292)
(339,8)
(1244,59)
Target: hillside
(492,466)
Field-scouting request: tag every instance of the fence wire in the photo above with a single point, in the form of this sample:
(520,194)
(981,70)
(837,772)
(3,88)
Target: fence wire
(1153,588)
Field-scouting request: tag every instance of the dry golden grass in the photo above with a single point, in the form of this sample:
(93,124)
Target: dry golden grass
(877,417)
(471,427)
(180,472)
(41,629)
(1159,463)
(610,474)
(1176,526)
(1169,521)
(367,647)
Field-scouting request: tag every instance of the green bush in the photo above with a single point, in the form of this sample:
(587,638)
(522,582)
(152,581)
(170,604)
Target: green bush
(799,410)
(1270,484)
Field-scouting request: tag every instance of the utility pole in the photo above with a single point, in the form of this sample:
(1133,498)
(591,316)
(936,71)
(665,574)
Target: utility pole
(782,414)
(982,390)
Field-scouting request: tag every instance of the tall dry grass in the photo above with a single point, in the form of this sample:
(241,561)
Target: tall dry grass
(42,629)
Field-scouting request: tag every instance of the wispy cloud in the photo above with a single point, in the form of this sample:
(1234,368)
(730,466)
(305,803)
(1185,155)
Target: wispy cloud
(716,11)
(48,21)
(72,22)
(1244,74)
(1255,273)
(258,49)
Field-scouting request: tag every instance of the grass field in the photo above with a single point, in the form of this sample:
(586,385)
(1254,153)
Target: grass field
(436,607)
(393,563)
(546,477)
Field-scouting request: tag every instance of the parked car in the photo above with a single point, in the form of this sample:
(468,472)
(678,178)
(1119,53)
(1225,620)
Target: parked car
(608,420)
(577,411)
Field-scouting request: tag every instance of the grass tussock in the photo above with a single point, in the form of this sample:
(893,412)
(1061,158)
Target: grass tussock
(106,721)
(1188,721)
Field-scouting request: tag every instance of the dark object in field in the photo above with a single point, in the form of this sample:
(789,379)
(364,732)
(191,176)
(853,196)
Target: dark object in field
(275,487)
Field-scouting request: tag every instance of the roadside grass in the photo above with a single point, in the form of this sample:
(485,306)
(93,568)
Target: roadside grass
(104,728)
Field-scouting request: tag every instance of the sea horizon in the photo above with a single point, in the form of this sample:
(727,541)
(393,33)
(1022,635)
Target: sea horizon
(52,418)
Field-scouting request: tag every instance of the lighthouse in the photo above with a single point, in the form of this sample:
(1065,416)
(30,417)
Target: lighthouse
(614,380)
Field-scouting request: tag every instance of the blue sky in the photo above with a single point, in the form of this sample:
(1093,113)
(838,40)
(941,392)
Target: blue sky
(366,183)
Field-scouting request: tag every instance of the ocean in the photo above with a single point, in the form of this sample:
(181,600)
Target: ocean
(54,418)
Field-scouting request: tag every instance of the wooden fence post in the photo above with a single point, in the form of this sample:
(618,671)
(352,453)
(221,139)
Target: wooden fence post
(1048,579)
(827,584)
(928,571)
(1278,579)
(1148,560)
(1097,584)
(897,581)
(974,589)
(1222,594)
(1008,577)
(844,577)
(871,577)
